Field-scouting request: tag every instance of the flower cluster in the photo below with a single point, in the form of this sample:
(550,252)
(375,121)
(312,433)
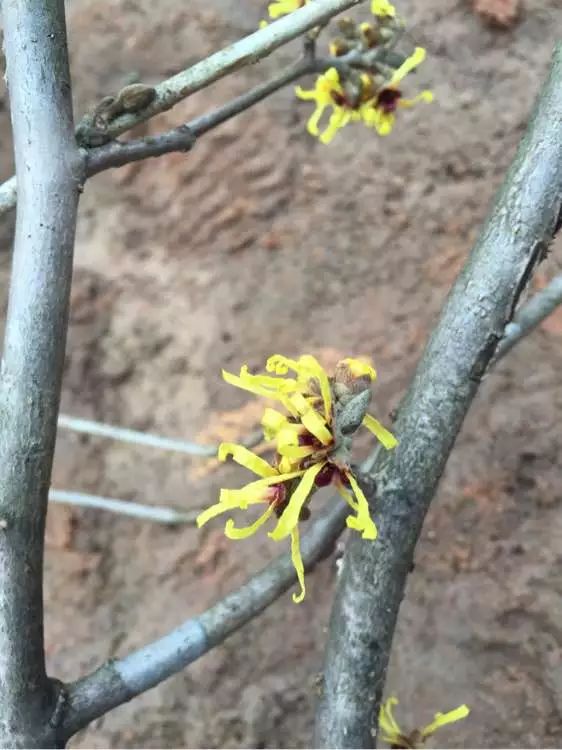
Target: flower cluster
(361,100)
(312,439)
(395,737)
(362,85)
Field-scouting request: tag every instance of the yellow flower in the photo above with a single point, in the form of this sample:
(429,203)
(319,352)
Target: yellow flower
(283,7)
(393,735)
(312,448)
(328,92)
(379,112)
(270,490)
(383,8)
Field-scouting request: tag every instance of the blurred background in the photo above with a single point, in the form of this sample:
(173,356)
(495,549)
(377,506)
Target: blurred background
(262,240)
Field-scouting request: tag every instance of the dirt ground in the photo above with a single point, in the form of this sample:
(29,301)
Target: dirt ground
(260,241)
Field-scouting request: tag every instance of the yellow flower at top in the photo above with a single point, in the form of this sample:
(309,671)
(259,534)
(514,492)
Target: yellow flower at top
(394,736)
(383,8)
(283,7)
(379,112)
(313,448)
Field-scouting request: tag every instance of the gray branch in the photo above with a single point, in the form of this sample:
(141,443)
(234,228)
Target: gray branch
(157,513)
(135,437)
(247,51)
(118,681)
(47,166)
(117,154)
(514,239)
(532,314)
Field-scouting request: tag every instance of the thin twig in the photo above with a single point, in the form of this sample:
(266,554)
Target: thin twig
(182,139)
(48,169)
(247,51)
(539,307)
(101,429)
(159,514)
(117,681)
(116,154)
(513,241)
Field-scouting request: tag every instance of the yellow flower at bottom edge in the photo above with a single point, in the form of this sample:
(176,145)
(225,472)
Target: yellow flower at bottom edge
(397,738)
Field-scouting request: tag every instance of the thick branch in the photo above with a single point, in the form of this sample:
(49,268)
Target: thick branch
(539,307)
(482,301)
(119,681)
(30,378)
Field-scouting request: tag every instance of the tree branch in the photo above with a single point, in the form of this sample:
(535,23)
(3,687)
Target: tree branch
(47,165)
(118,681)
(100,429)
(247,51)
(158,513)
(525,320)
(512,242)
(116,154)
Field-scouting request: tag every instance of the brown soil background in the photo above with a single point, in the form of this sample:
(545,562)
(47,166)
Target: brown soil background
(261,241)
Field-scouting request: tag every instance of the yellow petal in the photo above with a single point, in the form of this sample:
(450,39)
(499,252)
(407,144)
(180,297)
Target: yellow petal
(362,521)
(297,563)
(232,500)
(360,367)
(347,496)
(281,365)
(255,384)
(282,8)
(385,123)
(290,516)
(314,369)
(246,385)
(285,465)
(311,419)
(417,57)
(339,118)
(233,532)
(387,722)
(296,451)
(383,8)
(247,459)
(383,435)
(314,119)
(305,94)
(423,96)
(449,718)
(274,421)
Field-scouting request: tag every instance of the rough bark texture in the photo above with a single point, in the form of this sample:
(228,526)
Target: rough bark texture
(30,378)
(512,242)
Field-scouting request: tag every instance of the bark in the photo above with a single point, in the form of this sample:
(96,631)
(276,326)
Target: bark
(511,244)
(47,168)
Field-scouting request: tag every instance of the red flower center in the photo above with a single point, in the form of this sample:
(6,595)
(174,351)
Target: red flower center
(387,100)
